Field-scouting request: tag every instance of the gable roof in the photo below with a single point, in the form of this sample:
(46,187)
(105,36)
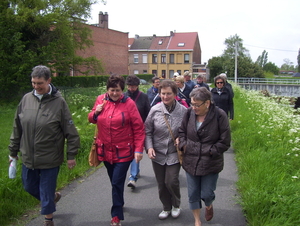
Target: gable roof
(160,43)
(183,41)
(141,43)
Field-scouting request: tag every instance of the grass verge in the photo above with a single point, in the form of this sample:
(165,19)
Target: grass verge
(266,143)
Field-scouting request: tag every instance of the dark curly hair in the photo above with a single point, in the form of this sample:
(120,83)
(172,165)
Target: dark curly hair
(132,80)
(115,80)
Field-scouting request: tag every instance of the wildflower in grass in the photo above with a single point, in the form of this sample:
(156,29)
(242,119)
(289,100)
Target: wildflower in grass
(294,177)
(296,155)
(73,113)
(292,131)
(78,116)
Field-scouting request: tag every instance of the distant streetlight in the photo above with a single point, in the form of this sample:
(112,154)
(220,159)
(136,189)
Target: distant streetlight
(235,63)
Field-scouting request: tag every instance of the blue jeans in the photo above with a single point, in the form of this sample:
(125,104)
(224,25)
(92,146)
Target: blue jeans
(134,170)
(117,173)
(41,184)
(201,188)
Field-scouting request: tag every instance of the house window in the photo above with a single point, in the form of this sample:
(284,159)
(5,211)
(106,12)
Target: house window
(186,58)
(163,73)
(135,58)
(154,58)
(179,72)
(145,58)
(135,72)
(154,72)
(145,72)
(172,59)
(180,44)
(163,58)
(171,73)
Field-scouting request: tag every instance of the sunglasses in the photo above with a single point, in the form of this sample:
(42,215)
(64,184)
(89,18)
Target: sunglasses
(219,82)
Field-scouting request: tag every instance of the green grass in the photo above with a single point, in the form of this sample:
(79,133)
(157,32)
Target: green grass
(266,143)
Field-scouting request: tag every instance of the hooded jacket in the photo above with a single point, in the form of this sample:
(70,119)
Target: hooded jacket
(40,129)
(120,129)
(204,148)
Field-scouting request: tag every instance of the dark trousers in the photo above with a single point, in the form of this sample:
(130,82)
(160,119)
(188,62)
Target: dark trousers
(117,173)
(41,184)
(167,178)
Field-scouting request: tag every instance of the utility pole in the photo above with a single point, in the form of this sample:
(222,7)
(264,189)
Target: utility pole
(235,64)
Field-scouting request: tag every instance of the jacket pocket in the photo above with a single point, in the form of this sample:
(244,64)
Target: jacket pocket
(124,151)
(100,149)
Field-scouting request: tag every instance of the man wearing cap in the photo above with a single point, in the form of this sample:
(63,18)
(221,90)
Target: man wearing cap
(200,82)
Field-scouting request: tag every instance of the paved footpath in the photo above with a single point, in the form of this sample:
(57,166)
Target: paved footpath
(87,201)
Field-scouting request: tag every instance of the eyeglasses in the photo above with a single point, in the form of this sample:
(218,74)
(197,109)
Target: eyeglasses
(197,105)
(219,82)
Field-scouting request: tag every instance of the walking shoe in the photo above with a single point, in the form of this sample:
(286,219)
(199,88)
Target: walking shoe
(175,212)
(115,221)
(48,223)
(131,184)
(209,213)
(164,214)
(57,197)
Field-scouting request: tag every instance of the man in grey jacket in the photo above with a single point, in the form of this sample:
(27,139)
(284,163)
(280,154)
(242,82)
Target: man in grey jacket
(42,123)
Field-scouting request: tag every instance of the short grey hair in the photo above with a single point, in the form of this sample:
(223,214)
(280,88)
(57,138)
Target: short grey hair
(41,71)
(201,94)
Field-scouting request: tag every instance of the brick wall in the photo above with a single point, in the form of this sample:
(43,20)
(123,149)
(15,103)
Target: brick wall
(111,47)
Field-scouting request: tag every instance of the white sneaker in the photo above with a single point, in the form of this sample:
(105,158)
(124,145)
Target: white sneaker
(175,212)
(164,214)
(131,184)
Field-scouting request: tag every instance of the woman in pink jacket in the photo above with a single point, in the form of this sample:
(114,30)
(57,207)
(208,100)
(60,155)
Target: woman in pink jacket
(120,138)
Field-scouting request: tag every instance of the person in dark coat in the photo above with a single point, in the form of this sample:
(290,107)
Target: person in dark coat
(183,89)
(200,82)
(142,102)
(204,135)
(227,84)
(222,96)
(152,92)
(187,79)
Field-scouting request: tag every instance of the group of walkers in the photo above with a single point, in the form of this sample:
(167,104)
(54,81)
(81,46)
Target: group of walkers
(174,116)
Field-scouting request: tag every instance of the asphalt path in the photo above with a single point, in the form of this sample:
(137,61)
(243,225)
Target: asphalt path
(87,201)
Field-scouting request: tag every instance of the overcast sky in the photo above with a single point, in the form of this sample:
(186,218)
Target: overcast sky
(270,25)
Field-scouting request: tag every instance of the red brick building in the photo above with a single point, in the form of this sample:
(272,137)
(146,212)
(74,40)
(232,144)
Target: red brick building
(110,46)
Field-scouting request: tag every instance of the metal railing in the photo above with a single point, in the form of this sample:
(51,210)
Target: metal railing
(267,81)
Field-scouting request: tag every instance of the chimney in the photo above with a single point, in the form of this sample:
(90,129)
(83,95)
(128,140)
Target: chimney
(136,36)
(103,20)
(171,33)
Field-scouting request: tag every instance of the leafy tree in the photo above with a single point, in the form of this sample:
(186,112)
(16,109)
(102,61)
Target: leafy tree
(226,62)
(216,66)
(34,32)
(262,59)
(231,43)
(271,67)
(246,68)
(288,65)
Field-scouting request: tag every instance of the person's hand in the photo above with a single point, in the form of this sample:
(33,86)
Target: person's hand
(138,157)
(151,153)
(14,157)
(71,163)
(99,108)
(177,141)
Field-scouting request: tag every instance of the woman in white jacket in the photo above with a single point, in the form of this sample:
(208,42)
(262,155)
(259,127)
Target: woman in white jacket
(161,149)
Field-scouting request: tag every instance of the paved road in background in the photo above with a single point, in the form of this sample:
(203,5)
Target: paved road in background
(87,201)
